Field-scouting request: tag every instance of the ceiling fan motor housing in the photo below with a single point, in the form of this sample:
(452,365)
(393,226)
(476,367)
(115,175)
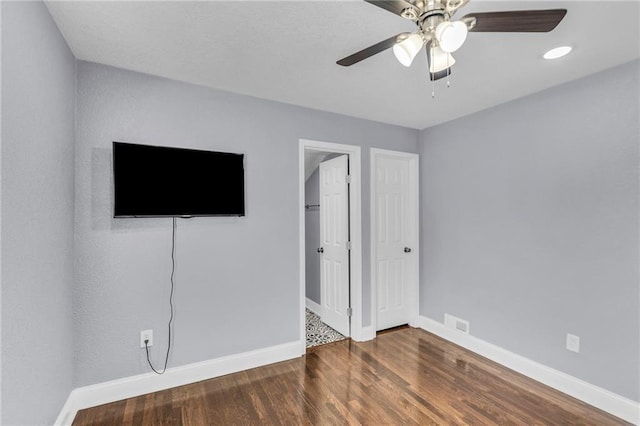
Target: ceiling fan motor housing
(428,14)
(430,20)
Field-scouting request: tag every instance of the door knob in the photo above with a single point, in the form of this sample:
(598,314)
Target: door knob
(320,250)
(407,250)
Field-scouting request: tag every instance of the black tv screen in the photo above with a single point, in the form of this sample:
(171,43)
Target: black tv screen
(154,181)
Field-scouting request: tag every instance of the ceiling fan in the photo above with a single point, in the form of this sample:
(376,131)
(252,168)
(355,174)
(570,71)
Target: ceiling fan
(442,36)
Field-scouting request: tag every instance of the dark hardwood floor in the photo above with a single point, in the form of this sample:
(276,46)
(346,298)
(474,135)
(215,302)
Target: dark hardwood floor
(405,376)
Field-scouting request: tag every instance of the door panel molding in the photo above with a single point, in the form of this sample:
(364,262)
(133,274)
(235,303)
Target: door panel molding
(413,209)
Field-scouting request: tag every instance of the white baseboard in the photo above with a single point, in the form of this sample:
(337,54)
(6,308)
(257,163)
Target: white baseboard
(603,399)
(415,321)
(313,307)
(116,390)
(68,412)
(366,333)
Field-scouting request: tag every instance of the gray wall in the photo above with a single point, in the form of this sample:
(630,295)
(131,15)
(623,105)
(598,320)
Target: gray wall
(530,226)
(312,237)
(237,280)
(37,215)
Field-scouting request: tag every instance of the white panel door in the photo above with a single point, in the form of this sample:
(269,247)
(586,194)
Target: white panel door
(334,236)
(396,241)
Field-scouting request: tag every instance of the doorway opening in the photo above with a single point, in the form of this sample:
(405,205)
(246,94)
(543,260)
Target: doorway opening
(330,242)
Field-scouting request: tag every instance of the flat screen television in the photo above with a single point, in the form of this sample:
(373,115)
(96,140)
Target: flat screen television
(155,181)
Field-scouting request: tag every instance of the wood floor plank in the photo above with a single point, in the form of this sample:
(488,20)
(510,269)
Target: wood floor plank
(405,376)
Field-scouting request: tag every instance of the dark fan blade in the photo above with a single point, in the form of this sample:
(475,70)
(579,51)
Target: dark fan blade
(519,21)
(369,51)
(393,6)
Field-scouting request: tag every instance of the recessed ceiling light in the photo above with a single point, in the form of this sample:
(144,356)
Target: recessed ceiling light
(557,52)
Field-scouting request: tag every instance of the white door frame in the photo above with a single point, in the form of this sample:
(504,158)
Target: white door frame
(413,182)
(355,225)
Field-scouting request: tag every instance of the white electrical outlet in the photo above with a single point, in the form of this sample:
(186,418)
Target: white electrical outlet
(146,335)
(573,343)
(456,323)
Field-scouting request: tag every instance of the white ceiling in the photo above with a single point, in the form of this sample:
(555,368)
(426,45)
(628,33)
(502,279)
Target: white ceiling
(287,50)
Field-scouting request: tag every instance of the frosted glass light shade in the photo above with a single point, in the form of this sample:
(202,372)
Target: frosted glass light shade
(408,48)
(439,60)
(451,35)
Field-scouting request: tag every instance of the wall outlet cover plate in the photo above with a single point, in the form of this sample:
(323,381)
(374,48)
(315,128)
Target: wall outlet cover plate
(144,335)
(573,342)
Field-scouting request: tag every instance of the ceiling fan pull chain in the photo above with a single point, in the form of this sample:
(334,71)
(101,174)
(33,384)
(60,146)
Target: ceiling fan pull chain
(448,72)
(433,82)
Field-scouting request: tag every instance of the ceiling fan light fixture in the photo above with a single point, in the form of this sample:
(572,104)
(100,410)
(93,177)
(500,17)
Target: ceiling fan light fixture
(408,48)
(451,35)
(439,60)
(557,52)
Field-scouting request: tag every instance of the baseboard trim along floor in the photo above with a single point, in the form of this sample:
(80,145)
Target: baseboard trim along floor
(116,390)
(102,393)
(603,399)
